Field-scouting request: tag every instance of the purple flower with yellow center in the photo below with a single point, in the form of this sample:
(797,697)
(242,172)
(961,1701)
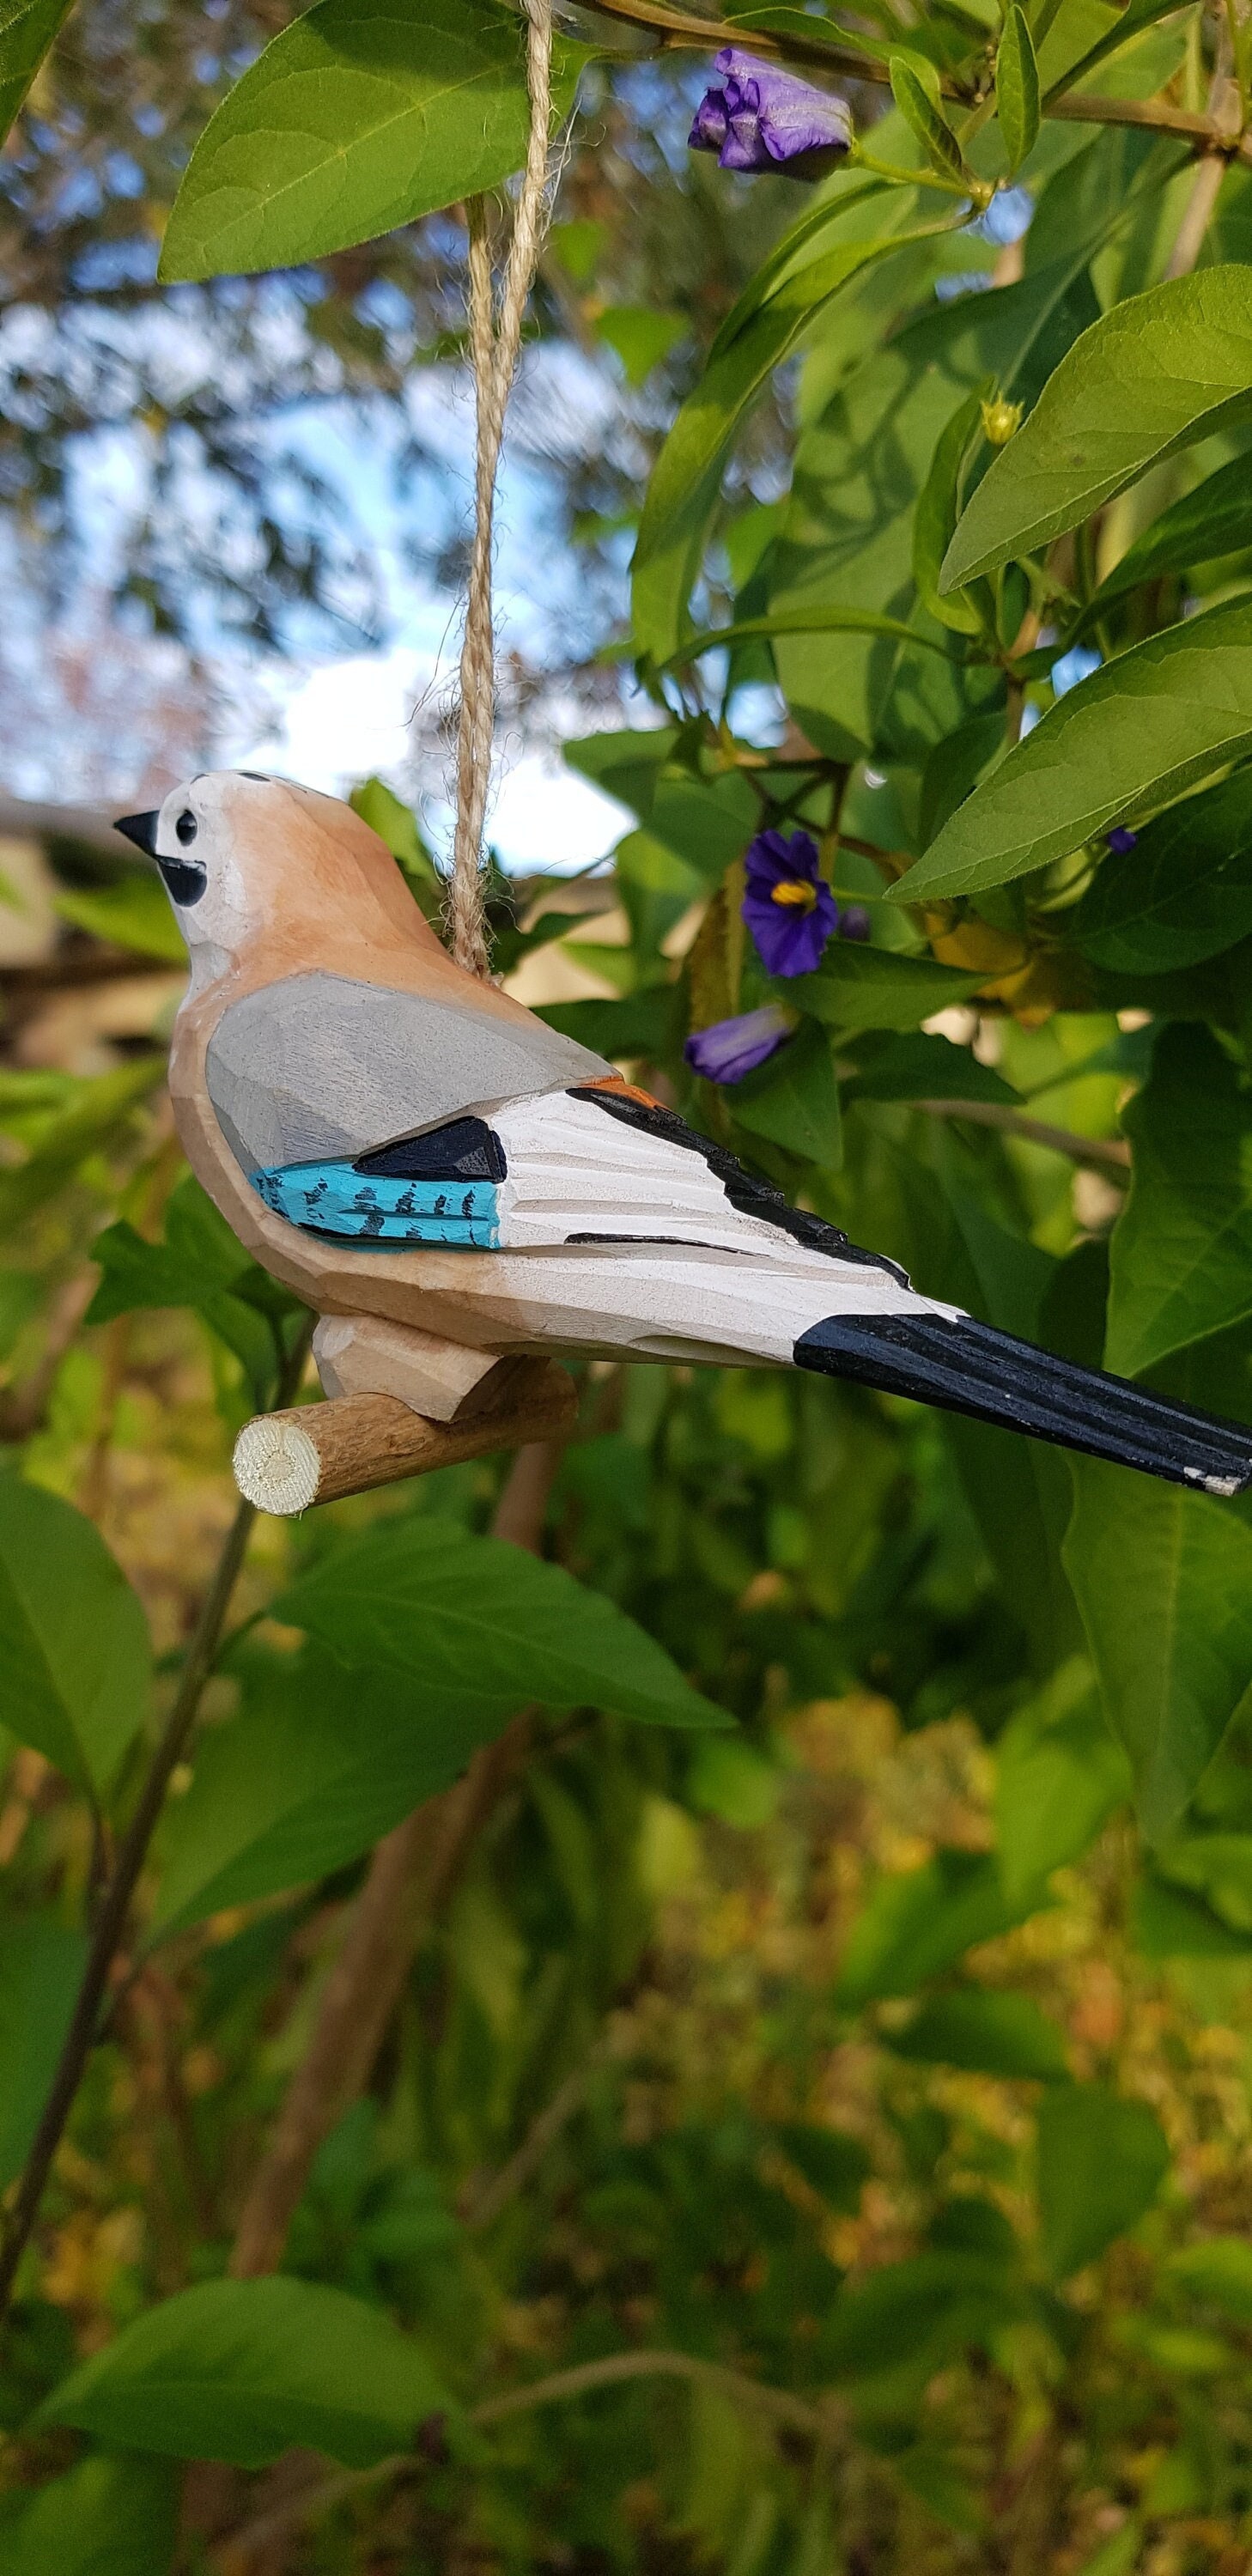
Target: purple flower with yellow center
(788,907)
(734,1047)
(758,118)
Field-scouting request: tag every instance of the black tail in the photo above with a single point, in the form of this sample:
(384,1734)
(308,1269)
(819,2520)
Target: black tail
(971,1368)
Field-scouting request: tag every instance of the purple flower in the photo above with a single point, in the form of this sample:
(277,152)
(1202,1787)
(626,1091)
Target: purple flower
(788,907)
(1119,840)
(732,1048)
(854,922)
(757,118)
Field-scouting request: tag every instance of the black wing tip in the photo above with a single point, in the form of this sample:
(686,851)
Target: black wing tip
(971,1368)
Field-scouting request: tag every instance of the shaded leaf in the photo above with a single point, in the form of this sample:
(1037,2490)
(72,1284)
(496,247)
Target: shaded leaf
(794,1099)
(1181,1254)
(1182,894)
(1138,732)
(1215,519)
(101,1111)
(484,1627)
(1151,376)
(1059,1774)
(41,1963)
(75,1662)
(103,2518)
(200,1264)
(987,2033)
(918,101)
(915,2312)
(242,2370)
(1163,1579)
(135,913)
(1017,88)
(1218,2269)
(1102,2161)
(359,117)
(923,1067)
(877,988)
(319,1762)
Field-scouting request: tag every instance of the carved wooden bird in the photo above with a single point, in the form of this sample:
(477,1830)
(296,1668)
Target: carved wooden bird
(446,1180)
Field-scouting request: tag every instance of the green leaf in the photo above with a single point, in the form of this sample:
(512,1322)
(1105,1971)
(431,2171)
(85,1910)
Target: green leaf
(918,102)
(242,2370)
(1181,1252)
(806,621)
(987,2033)
(640,337)
(1140,731)
(1182,894)
(921,1067)
(75,1662)
(686,480)
(1059,1775)
(834,2165)
(1151,376)
(1102,2161)
(643,1025)
(1163,1579)
(1218,2269)
(135,913)
(1017,89)
(794,1099)
(200,1264)
(41,1963)
(359,117)
(1216,1867)
(28,28)
(876,988)
(318,1763)
(1214,520)
(1129,23)
(486,1627)
(1167,1923)
(919,1922)
(103,2518)
(101,1111)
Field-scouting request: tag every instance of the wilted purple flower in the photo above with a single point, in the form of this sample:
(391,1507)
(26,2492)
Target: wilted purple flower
(1119,840)
(854,921)
(788,907)
(734,1047)
(758,118)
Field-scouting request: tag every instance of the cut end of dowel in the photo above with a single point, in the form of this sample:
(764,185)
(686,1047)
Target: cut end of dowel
(276,1465)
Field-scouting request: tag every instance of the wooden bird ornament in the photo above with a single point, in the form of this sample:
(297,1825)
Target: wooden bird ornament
(448,1183)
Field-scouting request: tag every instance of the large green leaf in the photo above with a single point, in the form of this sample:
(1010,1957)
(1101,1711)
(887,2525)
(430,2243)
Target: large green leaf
(864,224)
(794,1099)
(103,2518)
(1102,2161)
(27,29)
(41,1963)
(483,1627)
(1149,377)
(1141,730)
(242,2370)
(1181,1254)
(199,1264)
(1214,520)
(319,1761)
(361,116)
(1163,1579)
(75,1661)
(1182,894)
(877,988)
(916,2314)
(923,1067)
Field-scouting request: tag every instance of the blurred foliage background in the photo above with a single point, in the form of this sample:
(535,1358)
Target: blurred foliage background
(814,2145)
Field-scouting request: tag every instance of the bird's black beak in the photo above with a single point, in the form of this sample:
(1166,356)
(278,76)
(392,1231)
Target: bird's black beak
(141,829)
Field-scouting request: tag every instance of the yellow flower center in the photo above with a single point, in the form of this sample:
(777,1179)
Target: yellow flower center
(799,892)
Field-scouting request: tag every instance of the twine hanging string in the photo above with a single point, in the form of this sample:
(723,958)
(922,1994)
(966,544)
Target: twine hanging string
(495,338)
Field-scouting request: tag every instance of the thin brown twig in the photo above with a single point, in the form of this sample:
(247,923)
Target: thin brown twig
(110,1921)
(613,2371)
(679,31)
(1106,1152)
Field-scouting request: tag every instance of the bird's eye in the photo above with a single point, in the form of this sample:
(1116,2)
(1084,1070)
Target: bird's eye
(186,826)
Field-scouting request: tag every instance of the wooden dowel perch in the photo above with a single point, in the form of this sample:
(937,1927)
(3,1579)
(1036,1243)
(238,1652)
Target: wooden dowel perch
(316,1453)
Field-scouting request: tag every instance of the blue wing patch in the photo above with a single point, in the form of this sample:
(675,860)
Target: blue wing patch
(338,1199)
